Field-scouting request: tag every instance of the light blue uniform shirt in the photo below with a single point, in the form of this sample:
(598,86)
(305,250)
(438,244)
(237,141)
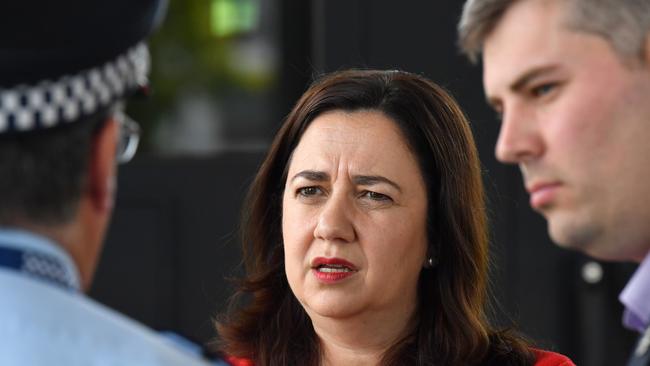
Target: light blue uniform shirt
(45,320)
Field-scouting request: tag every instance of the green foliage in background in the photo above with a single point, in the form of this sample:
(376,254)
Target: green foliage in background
(191,51)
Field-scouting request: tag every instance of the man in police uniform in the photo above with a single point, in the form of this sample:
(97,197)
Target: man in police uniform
(571,80)
(65,69)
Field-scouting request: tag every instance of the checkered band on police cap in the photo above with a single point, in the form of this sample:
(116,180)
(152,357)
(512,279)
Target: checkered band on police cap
(52,103)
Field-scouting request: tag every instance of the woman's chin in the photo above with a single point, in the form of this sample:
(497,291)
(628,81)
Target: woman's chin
(331,307)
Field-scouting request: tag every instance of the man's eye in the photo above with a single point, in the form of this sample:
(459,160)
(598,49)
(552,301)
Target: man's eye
(498,115)
(308,191)
(497,108)
(542,90)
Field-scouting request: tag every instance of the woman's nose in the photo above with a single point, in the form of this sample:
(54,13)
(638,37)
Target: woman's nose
(334,220)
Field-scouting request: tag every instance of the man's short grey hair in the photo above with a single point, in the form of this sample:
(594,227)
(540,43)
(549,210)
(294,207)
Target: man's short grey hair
(625,24)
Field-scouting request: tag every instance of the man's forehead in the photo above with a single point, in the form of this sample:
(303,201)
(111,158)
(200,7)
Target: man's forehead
(525,38)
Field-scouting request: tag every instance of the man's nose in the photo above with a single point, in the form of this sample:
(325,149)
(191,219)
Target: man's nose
(519,139)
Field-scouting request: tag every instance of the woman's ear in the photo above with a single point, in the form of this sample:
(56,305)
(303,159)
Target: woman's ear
(431,260)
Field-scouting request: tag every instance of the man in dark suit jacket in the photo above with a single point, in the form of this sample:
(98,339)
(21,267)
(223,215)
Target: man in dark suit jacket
(571,81)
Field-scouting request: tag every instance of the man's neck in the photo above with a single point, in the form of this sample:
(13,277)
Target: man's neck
(70,237)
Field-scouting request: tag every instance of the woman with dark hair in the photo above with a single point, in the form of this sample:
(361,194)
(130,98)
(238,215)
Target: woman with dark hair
(365,238)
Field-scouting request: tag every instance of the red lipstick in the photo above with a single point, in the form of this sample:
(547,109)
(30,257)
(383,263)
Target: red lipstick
(332,270)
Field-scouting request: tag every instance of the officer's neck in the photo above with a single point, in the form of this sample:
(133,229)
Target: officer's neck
(81,237)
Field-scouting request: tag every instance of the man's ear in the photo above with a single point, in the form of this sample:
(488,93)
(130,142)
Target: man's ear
(102,168)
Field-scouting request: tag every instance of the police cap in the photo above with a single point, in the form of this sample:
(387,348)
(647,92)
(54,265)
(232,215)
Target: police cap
(62,60)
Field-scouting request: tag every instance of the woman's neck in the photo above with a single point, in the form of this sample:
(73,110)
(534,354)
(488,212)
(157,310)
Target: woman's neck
(361,339)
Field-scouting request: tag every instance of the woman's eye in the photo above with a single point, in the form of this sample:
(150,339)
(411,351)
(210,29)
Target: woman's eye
(308,191)
(376,196)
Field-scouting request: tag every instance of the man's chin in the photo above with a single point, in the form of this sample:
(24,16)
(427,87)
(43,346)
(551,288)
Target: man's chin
(571,235)
(585,239)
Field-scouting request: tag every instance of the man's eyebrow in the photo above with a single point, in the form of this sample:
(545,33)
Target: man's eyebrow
(530,75)
(370,180)
(312,175)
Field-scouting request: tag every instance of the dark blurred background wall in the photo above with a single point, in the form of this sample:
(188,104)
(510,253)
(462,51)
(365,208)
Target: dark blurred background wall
(226,72)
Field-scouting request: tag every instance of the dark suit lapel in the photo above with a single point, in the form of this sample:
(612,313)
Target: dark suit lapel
(641,355)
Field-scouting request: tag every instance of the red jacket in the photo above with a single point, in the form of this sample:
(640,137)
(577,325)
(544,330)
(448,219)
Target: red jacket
(543,358)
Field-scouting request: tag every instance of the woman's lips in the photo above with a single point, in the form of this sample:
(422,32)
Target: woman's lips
(332,270)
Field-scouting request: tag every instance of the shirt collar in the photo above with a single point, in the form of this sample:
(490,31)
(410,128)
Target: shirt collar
(41,258)
(636,298)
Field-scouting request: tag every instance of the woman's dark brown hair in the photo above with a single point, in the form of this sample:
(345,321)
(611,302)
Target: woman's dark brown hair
(271,328)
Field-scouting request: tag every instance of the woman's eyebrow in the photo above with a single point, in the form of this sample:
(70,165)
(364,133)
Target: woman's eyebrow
(369,180)
(313,175)
(362,180)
